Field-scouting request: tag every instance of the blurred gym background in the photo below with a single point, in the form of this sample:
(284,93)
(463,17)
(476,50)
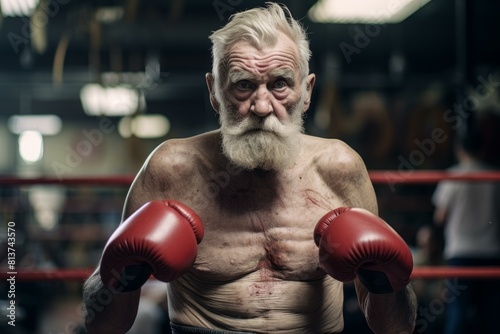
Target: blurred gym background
(90,88)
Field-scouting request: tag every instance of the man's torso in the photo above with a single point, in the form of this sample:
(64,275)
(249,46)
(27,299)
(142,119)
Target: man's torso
(257,266)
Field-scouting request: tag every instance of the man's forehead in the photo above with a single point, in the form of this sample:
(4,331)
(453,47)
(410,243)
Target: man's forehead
(283,42)
(243,56)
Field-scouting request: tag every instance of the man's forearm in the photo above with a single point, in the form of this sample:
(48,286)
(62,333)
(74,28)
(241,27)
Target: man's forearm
(391,312)
(107,311)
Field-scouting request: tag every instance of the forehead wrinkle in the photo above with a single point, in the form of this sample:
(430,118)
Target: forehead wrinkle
(283,55)
(261,60)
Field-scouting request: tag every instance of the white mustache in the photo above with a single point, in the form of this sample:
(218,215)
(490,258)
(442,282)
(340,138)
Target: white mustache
(270,123)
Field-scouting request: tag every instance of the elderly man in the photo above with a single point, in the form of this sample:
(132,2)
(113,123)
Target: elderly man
(256,225)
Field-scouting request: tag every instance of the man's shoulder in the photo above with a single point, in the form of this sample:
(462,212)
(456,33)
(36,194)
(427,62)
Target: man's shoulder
(171,168)
(183,152)
(343,171)
(333,154)
(180,158)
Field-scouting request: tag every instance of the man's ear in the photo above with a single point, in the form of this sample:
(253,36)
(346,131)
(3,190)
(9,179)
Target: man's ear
(310,80)
(209,78)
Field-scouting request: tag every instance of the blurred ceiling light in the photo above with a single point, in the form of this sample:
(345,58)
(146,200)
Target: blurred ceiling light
(47,203)
(109,14)
(144,126)
(18,7)
(364,11)
(150,126)
(134,79)
(125,127)
(47,125)
(118,100)
(31,146)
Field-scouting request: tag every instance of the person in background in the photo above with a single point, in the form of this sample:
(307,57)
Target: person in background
(469,213)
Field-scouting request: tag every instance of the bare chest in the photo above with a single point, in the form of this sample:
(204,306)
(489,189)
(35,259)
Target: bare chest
(268,231)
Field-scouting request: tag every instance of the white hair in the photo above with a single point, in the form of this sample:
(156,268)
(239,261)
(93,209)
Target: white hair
(260,27)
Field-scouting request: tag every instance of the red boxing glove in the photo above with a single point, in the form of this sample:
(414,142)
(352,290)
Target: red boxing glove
(160,238)
(354,241)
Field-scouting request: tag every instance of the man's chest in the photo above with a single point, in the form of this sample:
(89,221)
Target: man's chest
(269,232)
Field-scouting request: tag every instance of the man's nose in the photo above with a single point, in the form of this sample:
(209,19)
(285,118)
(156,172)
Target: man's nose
(261,104)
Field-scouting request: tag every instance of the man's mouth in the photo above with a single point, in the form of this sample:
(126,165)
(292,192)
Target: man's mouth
(255,130)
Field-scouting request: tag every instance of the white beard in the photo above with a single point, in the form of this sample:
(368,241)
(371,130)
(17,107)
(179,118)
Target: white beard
(265,143)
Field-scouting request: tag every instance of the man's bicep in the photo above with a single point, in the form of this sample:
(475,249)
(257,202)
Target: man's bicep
(135,196)
(143,190)
(363,193)
(369,199)
(348,177)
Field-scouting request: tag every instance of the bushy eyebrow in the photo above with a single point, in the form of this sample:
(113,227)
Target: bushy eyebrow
(285,73)
(235,76)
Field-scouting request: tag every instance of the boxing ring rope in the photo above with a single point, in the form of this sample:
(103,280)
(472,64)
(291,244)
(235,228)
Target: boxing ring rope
(377,177)
(430,176)
(421,272)
(125,180)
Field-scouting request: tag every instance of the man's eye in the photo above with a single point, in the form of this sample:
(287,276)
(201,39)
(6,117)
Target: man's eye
(244,84)
(280,84)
